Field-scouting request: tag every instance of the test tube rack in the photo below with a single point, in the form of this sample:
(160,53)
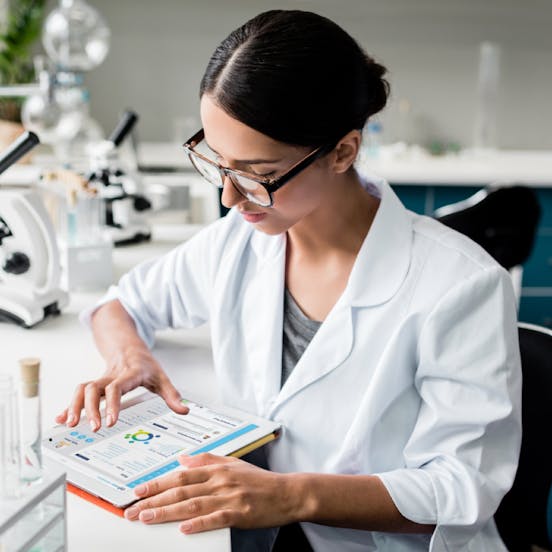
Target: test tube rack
(36,520)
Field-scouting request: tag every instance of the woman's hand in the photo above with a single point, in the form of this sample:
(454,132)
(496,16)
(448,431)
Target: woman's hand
(215,492)
(129,365)
(128,369)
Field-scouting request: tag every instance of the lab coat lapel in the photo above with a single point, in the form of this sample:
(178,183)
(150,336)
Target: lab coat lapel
(379,270)
(263,310)
(329,348)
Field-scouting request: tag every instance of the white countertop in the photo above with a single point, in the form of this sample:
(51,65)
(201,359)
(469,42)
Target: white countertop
(69,357)
(532,168)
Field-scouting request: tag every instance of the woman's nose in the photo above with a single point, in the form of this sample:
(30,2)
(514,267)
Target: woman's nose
(230,196)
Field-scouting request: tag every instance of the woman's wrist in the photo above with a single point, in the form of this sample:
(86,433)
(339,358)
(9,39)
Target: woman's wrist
(299,498)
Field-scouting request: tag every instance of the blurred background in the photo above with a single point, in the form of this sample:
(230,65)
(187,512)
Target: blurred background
(431,47)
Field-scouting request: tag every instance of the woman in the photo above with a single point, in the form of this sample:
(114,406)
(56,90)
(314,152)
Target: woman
(383,342)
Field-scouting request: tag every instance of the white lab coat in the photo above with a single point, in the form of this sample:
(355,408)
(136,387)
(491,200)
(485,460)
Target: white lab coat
(414,375)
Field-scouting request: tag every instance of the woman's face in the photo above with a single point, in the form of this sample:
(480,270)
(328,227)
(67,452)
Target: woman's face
(238,146)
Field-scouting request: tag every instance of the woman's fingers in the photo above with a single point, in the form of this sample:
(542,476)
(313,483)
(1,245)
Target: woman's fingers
(170,496)
(171,395)
(204,459)
(93,392)
(76,406)
(183,510)
(61,418)
(179,478)
(214,520)
(113,394)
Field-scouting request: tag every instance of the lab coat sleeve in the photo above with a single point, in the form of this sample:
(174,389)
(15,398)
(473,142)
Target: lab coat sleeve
(462,455)
(173,291)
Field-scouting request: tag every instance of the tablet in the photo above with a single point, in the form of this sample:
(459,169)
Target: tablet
(145,444)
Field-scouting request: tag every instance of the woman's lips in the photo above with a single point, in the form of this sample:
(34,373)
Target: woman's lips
(253,217)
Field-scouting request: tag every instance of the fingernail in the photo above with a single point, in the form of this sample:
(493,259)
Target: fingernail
(109,420)
(146,515)
(185,526)
(70,418)
(93,425)
(132,512)
(140,490)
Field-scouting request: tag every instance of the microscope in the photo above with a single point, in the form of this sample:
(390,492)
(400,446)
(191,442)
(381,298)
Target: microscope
(124,202)
(29,258)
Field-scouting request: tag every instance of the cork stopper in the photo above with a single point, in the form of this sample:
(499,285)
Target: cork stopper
(72,197)
(30,376)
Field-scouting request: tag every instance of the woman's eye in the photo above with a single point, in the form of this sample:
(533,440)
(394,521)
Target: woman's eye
(265,175)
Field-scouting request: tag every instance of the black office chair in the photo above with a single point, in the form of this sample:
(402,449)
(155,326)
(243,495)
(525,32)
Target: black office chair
(502,220)
(524,517)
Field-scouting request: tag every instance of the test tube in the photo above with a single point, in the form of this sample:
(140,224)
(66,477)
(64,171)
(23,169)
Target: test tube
(9,439)
(30,423)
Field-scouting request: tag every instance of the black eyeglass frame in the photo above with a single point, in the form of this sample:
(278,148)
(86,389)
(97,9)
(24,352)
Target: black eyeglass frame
(271,185)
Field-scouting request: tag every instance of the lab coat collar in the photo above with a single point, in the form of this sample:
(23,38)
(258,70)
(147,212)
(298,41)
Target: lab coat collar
(379,270)
(384,258)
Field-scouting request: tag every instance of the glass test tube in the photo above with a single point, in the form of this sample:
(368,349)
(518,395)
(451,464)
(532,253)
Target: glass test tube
(9,439)
(29,420)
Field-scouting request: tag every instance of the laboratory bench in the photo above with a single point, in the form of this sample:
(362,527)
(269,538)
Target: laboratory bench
(68,357)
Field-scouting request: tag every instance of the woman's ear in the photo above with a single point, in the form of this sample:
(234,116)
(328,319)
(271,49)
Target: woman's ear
(346,151)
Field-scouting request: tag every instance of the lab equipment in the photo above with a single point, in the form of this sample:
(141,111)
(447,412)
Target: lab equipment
(9,438)
(121,190)
(29,420)
(75,36)
(76,210)
(29,257)
(36,521)
(54,111)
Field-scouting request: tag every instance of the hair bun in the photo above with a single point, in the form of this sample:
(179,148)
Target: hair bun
(377,86)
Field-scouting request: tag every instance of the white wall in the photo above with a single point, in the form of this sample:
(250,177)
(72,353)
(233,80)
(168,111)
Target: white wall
(160,49)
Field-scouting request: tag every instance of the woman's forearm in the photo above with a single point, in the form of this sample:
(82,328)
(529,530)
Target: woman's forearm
(353,501)
(114,330)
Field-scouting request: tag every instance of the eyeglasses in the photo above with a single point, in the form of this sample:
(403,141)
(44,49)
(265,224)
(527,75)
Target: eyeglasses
(257,189)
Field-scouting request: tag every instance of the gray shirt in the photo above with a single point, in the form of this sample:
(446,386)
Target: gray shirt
(297,334)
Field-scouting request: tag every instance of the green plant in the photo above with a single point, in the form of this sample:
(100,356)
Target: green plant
(21,29)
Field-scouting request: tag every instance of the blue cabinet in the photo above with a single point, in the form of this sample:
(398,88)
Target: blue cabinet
(536,296)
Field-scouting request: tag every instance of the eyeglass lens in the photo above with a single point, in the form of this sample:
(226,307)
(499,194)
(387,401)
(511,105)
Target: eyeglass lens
(250,189)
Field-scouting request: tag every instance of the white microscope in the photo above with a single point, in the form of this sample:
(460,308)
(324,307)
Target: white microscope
(121,192)
(29,258)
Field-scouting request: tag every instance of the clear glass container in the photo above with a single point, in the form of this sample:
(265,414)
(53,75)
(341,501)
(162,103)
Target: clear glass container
(76,36)
(9,439)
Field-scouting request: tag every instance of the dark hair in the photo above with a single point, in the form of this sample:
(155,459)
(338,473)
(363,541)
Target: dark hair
(295,76)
